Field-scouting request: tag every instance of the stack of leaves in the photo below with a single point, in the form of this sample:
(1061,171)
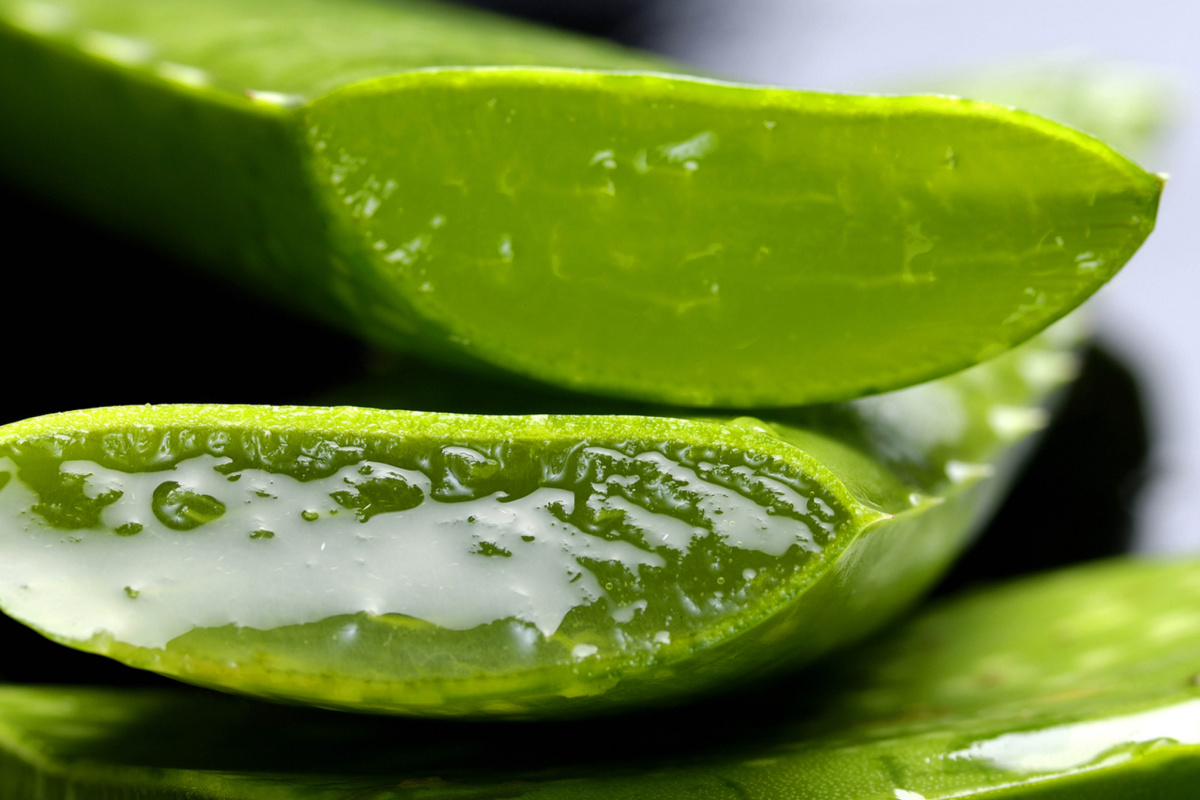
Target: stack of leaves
(621,262)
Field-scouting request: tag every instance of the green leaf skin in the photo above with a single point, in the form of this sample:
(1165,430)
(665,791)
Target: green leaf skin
(496,196)
(1077,685)
(520,566)
(1126,105)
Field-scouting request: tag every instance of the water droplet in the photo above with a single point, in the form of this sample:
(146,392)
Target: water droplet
(690,150)
(309,516)
(1087,262)
(407,254)
(263,534)
(181,509)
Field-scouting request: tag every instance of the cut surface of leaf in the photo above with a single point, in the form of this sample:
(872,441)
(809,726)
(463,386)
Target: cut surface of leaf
(489,194)
(1078,685)
(445,564)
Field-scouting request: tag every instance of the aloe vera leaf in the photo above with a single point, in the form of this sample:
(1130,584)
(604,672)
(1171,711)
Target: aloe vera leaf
(441,564)
(1078,684)
(638,234)
(1126,105)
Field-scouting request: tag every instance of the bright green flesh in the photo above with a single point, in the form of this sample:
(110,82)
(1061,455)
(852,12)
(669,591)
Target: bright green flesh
(631,234)
(1073,686)
(647,558)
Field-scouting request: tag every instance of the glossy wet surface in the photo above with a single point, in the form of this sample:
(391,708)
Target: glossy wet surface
(618,546)
(275,358)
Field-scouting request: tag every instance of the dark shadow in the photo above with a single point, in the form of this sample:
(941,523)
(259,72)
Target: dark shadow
(184,729)
(94,319)
(616,20)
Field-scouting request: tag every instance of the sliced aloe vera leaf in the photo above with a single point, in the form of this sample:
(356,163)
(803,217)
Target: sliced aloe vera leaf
(637,234)
(443,564)
(1079,684)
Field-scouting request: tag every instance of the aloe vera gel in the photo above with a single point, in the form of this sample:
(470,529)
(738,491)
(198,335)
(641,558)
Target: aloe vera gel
(436,541)
(412,559)
(449,564)
(506,555)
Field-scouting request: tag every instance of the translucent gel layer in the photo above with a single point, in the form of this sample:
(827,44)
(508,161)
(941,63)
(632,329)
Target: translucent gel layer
(634,533)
